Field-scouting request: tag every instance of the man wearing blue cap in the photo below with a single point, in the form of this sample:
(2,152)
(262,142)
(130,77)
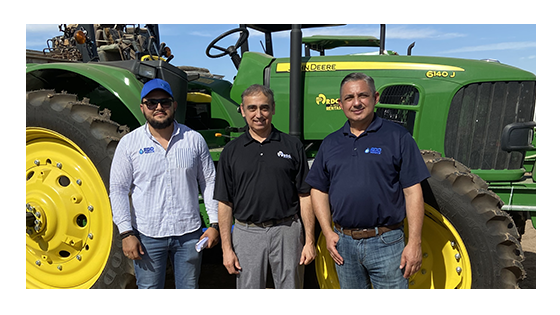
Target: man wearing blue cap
(160,166)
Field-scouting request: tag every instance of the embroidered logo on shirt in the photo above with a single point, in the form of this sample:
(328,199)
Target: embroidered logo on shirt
(284,155)
(373,150)
(147,150)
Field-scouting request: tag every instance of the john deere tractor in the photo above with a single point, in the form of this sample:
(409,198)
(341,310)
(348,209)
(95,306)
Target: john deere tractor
(472,119)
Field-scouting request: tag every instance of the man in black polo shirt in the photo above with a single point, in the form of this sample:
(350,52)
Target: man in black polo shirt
(368,173)
(260,182)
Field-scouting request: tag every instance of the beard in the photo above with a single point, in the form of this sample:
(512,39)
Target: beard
(161,124)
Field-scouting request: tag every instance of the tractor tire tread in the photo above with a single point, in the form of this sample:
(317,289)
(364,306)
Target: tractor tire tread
(489,233)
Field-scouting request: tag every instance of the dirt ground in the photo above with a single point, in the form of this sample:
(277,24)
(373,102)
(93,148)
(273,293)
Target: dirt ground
(529,246)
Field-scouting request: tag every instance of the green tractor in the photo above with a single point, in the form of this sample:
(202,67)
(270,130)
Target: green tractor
(473,121)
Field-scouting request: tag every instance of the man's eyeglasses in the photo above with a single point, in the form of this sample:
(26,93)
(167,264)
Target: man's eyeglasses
(152,103)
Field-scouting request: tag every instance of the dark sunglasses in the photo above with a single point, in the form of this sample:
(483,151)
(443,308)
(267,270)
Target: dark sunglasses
(152,103)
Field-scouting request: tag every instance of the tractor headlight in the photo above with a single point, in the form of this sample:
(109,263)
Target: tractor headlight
(147,71)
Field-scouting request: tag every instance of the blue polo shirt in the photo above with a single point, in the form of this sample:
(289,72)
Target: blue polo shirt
(365,176)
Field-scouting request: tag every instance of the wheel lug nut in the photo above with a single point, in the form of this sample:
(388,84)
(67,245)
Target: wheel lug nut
(37,162)
(90,208)
(459,269)
(38,263)
(79,182)
(59,165)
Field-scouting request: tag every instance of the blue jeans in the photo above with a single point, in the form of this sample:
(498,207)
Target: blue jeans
(186,261)
(371,262)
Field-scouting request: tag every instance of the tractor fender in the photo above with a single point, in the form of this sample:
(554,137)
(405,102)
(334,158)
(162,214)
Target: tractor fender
(118,81)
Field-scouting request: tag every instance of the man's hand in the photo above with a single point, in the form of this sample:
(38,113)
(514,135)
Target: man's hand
(411,259)
(307,254)
(213,236)
(132,248)
(231,262)
(332,239)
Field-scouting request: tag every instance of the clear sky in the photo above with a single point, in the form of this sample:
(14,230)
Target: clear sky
(512,44)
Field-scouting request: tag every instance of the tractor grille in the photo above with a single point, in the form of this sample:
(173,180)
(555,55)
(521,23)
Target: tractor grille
(478,114)
(399,95)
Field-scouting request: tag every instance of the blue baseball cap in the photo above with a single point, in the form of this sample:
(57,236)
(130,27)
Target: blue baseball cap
(155,84)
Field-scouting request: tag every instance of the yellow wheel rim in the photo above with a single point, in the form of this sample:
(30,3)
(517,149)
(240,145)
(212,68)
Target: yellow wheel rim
(69,242)
(445,261)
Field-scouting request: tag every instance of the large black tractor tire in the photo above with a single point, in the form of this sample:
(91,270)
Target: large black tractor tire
(489,234)
(73,243)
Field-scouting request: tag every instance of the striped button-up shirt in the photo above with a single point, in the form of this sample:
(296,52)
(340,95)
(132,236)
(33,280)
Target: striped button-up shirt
(162,184)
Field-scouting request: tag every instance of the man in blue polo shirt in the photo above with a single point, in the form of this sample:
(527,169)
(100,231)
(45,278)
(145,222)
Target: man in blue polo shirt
(368,173)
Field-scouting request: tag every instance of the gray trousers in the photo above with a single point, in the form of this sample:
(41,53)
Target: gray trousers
(280,245)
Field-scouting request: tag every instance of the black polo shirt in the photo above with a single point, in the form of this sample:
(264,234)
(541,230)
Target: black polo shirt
(365,176)
(262,180)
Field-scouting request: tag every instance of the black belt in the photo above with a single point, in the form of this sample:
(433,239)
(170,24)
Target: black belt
(269,223)
(359,234)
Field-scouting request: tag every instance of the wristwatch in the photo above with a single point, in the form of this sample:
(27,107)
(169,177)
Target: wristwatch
(215,225)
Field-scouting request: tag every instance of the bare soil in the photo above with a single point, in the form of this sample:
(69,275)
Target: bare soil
(529,246)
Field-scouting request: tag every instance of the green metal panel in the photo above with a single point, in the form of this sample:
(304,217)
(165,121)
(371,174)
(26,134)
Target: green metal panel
(251,71)
(281,87)
(437,80)
(119,82)
(499,175)
(518,196)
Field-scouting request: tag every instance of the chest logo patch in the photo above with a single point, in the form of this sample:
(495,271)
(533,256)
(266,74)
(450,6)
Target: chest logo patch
(284,155)
(147,150)
(373,150)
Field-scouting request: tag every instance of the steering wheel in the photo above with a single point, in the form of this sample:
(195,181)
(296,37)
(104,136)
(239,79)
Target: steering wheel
(231,50)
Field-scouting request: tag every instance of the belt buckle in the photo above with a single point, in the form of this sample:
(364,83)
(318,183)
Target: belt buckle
(269,223)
